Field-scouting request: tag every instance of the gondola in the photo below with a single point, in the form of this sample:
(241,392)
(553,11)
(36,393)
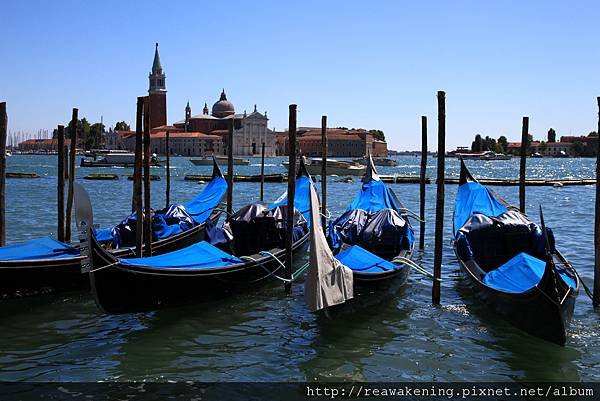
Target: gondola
(44,264)
(511,263)
(244,252)
(366,255)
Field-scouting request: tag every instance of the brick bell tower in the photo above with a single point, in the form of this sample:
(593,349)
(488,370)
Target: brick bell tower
(157,93)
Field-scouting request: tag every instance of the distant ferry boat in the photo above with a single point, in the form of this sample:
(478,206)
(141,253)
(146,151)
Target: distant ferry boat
(379,161)
(208,161)
(486,155)
(113,159)
(334,167)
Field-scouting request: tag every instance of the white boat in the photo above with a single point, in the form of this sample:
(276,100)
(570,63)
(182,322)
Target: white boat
(537,155)
(378,161)
(208,161)
(114,159)
(489,155)
(334,167)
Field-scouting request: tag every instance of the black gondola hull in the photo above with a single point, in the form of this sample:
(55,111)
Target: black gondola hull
(123,289)
(534,311)
(31,277)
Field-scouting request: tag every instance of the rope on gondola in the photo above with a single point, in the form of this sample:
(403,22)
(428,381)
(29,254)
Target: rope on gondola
(419,269)
(412,214)
(295,275)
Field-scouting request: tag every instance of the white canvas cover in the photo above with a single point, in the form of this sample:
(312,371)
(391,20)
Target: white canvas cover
(329,282)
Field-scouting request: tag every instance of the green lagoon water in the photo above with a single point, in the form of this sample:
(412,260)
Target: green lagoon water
(268,336)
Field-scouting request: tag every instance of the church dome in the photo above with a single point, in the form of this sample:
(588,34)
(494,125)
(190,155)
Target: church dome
(223,107)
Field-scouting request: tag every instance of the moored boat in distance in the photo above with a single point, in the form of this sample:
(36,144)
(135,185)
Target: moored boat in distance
(334,167)
(207,161)
(537,155)
(113,159)
(512,264)
(489,155)
(379,161)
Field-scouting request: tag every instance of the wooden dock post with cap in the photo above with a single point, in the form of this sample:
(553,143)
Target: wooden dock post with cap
(324,170)
(522,166)
(422,181)
(3,131)
(147,210)
(596,296)
(60,187)
(168,172)
(291,195)
(230,168)
(262,172)
(137,178)
(72,153)
(439,204)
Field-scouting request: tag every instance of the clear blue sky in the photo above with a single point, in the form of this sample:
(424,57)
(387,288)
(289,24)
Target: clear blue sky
(364,64)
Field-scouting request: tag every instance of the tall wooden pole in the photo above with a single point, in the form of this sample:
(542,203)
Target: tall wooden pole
(291,195)
(72,153)
(168,188)
(137,178)
(3,131)
(422,181)
(60,188)
(262,172)
(230,168)
(596,297)
(439,204)
(522,172)
(66,161)
(324,171)
(147,209)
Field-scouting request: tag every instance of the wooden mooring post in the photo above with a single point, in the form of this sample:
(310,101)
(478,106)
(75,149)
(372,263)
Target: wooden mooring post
(168,172)
(147,157)
(291,195)
(60,187)
(439,204)
(137,178)
(324,171)
(262,172)
(3,132)
(422,181)
(230,168)
(596,296)
(72,154)
(522,166)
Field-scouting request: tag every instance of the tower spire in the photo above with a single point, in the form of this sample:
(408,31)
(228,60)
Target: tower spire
(156,67)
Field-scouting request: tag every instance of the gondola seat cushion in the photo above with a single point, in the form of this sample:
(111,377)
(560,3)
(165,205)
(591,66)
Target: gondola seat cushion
(520,274)
(360,260)
(38,249)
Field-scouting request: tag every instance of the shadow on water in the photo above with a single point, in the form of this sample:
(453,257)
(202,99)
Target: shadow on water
(530,359)
(342,344)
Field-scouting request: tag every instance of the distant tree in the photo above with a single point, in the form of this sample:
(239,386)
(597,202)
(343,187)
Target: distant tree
(377,134)
(543,146)
(341,127)
(529,138)
(503,144)
(477,144)
(94,139)
(83,130)
(579,148)
(551,135)
(122,126)
(593,134)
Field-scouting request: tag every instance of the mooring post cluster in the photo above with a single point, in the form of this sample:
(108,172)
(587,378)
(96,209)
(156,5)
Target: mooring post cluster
(597,219)
(324,170)
(439,205)
(522,165)
(3,132)
(60,189)
(291,195)
(422,182)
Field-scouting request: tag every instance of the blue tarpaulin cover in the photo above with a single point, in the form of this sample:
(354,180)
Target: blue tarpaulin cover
(373,196)
(361,260)
(301,198)
(198,256)
(520,274)
(472,197)
(38,249)
(174,220)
